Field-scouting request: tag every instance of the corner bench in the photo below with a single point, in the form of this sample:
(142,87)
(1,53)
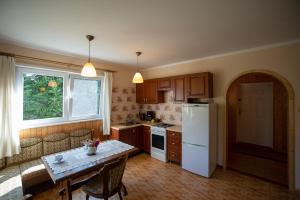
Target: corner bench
(26,170)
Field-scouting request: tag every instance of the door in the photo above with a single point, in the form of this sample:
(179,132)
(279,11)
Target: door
(196,85)
(146,138)
(164,84)
(140,93)
(179,89)
(255,114)
(195,124)
(195,159)
(199,85)
(151,91)
(125,136)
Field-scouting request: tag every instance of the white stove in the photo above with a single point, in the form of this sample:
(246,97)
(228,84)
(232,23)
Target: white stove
(159,141)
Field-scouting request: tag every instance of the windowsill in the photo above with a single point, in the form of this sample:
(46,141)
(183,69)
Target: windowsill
(59,123)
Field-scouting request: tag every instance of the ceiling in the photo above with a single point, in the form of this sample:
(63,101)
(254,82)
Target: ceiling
(166,31)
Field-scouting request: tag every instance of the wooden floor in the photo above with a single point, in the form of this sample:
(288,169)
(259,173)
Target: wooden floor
(267,169)
(147,178)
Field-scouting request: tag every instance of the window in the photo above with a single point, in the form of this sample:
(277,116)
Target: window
(49,97)
(42,96)
(85,97)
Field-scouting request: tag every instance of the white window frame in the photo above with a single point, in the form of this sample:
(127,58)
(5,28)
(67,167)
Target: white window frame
(67,76)
(71,81)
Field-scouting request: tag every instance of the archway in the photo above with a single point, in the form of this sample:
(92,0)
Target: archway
(281,149)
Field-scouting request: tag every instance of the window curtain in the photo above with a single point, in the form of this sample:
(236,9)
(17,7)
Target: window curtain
(106,102)
(9,131)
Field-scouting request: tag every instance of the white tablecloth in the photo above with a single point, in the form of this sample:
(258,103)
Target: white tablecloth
(78,157)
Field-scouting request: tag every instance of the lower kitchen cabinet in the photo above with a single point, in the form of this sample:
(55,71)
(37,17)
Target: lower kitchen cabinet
(131,136)
(174,146)
(146,139)
(137,136)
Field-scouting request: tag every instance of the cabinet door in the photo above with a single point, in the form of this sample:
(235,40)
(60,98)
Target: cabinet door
(125,136)
(135,137)
(140,93)
(178,85)
(174,146)
(164,84)
(146,139)
(151,91)
(199,85)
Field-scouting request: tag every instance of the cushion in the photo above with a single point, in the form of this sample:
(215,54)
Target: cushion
(31,148)
(33,173)
(11,184)
(2,163)
(78,136)
(56,143)
(94,186)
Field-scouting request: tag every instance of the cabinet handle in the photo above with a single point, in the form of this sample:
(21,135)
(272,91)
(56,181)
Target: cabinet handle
(173,143)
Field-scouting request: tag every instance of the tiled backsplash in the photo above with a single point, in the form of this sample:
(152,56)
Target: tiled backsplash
(168,112)
(123,104)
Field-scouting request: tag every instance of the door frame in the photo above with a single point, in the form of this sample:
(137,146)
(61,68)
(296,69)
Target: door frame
(291,123)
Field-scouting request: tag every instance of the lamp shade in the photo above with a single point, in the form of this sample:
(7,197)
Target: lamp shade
(88,70)
(137,78)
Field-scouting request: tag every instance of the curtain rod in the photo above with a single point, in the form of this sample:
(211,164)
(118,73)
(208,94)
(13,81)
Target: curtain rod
(47,61)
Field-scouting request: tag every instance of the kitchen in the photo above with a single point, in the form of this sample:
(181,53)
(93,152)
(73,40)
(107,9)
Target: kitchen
(179,99)
(191,140)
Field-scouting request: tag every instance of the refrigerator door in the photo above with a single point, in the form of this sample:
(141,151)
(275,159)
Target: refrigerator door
(195,124)
(195,159)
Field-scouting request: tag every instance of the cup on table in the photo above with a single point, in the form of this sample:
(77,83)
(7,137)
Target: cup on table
(58,157)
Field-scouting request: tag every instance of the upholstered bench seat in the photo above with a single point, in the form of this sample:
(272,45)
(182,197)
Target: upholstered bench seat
(26,170)
(11,184)
(33,173)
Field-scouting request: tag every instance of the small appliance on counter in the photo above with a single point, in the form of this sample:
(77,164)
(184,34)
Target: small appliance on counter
(142,116)
(150,115)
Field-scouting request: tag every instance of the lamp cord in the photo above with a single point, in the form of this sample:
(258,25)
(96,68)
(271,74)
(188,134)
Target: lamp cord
(89,51)
(137,63)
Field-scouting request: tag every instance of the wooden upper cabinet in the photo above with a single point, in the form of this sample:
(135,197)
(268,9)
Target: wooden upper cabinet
(147,92)
(199,85)
(178,87)
(140,93)
(185,87)
(164,84)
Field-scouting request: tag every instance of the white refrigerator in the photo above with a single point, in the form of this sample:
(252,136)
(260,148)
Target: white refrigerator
(199,138)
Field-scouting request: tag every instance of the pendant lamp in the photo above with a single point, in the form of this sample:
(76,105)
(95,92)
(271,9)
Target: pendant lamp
(88,69)
(137,78)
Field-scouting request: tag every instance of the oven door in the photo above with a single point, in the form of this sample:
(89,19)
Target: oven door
(158,141)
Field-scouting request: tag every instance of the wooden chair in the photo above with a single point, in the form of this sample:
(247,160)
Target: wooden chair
(106,183)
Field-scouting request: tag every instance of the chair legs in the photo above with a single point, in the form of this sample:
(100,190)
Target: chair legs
(120,195)
(124,189)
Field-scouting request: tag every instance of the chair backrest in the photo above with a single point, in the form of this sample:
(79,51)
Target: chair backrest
(113,174)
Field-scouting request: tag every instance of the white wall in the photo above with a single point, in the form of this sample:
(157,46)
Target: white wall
(283,60)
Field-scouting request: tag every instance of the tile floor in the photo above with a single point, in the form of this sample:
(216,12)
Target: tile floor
(147,178)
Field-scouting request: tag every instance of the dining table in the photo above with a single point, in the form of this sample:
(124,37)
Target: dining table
(77,163)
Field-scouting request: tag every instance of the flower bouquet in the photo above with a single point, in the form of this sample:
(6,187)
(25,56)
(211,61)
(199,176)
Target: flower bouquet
(91,146)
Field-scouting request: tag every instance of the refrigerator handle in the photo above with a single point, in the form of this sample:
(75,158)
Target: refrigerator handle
(199,145)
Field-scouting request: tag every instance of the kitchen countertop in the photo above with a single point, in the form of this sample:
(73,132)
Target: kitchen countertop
(122,126)
(176,128)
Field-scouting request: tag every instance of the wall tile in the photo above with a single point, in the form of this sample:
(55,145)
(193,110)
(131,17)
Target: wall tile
(168,112)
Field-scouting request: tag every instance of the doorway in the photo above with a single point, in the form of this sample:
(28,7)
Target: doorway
(257,123)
